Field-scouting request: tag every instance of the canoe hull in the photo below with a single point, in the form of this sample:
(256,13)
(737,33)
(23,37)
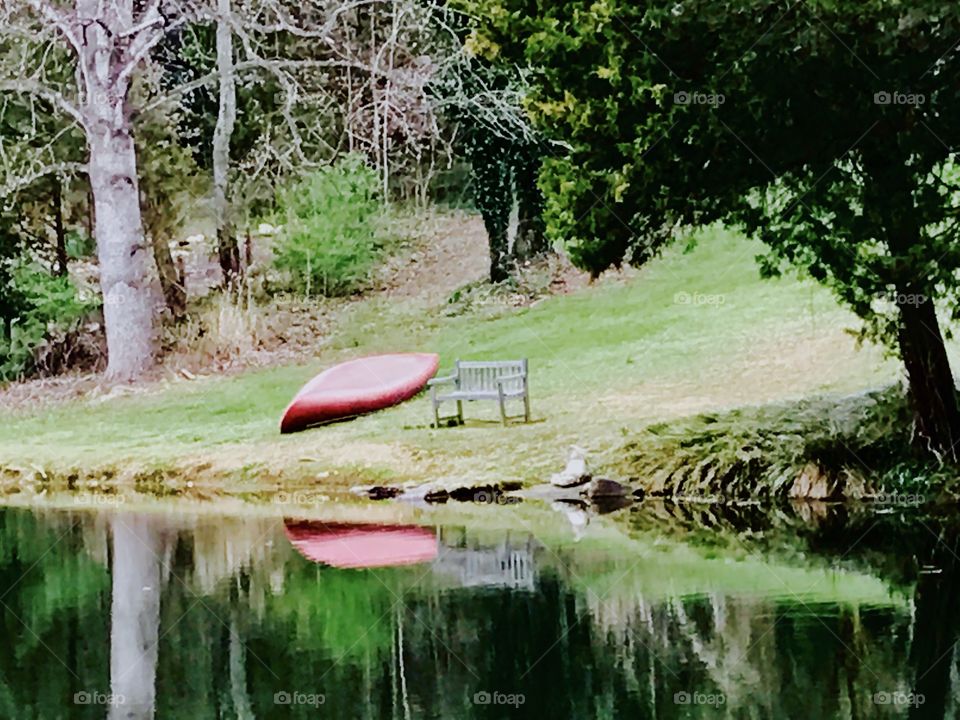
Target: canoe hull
(357,387)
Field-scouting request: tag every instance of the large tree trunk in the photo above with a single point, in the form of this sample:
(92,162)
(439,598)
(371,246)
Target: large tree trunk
(932,390)
(494,198)
(228,251)
(126,281)
(531,240)
(889,197)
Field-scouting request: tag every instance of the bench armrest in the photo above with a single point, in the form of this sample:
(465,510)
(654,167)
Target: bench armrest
(506,378)
(441,380)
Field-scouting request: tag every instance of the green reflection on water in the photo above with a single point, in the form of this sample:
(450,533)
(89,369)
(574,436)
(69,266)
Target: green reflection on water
(206,616)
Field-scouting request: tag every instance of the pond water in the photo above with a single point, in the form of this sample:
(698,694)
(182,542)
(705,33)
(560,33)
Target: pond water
(658,612)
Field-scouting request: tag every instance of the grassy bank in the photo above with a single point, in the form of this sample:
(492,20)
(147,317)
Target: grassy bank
(824,448)
(690,333)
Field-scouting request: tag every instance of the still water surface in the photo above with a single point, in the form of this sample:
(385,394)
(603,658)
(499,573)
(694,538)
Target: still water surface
(652,613)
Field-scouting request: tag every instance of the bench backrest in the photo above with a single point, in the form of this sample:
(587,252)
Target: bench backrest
(482,375)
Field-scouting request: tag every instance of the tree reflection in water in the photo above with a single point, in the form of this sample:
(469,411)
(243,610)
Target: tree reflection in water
(693,615)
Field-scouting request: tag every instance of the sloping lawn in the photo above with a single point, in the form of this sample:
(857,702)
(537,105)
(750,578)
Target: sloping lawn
(690,332)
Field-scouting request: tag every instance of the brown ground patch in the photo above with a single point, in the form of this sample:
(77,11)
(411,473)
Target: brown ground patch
(444,253)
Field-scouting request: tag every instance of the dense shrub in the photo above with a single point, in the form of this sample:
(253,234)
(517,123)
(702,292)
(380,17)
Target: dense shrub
(329,241)
(48,315)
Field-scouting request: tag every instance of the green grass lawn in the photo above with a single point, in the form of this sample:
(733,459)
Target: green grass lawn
(690,332)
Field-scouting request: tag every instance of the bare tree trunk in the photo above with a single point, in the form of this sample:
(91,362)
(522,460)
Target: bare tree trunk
(228,250)
(374,99)
(128,303)
(349,120)
(247,249)
(126,282)
(58,228)
(388,75)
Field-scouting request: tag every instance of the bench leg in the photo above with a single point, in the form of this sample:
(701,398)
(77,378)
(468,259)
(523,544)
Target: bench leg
(526,407)
(436,407)
(460,411)
(503,409)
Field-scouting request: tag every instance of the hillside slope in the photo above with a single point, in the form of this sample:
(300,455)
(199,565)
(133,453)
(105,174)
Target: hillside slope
(688,333)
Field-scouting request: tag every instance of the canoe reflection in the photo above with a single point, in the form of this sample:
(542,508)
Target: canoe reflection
(348,545)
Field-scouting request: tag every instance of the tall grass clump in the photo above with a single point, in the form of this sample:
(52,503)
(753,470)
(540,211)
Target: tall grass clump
(329,242)
(855,446)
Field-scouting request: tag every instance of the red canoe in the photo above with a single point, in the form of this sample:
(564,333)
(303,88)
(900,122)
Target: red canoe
(359,386)
(343,545)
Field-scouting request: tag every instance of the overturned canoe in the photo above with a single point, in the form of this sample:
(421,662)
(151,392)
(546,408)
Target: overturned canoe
(358,386)
(345,545)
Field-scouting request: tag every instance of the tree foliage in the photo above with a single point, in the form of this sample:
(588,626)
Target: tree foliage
(826,129)
(42,337)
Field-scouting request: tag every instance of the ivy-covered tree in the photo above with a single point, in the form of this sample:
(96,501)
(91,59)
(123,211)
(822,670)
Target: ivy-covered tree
(828,130)
(491,172)
(505,171)
(531,240)
(505,154)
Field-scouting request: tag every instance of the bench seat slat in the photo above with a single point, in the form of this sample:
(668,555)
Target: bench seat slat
(478,395)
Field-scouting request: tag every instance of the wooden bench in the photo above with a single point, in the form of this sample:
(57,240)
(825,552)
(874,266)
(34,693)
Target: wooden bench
(499,380)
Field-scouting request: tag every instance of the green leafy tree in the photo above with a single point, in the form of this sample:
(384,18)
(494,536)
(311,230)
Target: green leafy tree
(826,129)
